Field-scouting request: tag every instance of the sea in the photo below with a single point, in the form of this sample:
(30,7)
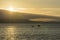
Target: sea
(29,31)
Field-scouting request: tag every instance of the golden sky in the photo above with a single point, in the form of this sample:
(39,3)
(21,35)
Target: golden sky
(44,7)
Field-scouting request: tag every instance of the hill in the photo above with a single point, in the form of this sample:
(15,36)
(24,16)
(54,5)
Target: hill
(19,17)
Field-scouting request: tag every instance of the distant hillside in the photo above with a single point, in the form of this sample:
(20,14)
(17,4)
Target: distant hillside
(11,17)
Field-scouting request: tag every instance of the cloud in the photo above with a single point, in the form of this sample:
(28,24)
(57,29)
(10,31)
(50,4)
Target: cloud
(32,3)
(41,11)
(44,11)
(43,3)
(43,19)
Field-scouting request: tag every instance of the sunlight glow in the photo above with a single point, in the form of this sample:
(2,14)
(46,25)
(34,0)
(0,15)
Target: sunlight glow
(10,8)
(22,9)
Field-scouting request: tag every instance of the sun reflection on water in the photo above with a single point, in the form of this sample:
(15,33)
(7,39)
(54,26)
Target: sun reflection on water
(10,32)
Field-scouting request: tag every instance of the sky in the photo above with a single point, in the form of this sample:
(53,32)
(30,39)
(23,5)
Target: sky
(43,7)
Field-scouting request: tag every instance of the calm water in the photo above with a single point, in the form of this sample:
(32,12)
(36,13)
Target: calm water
(30,31)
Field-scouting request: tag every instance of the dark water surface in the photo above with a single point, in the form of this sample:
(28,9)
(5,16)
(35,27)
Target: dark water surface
(29,31)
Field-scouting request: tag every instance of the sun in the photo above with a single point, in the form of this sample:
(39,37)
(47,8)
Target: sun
(11,8)
(14,9)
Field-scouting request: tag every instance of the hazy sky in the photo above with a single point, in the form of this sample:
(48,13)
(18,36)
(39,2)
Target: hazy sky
(44,7)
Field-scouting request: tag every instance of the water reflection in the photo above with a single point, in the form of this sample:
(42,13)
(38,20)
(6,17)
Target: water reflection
(10,30)
(7,33)
(27,32)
